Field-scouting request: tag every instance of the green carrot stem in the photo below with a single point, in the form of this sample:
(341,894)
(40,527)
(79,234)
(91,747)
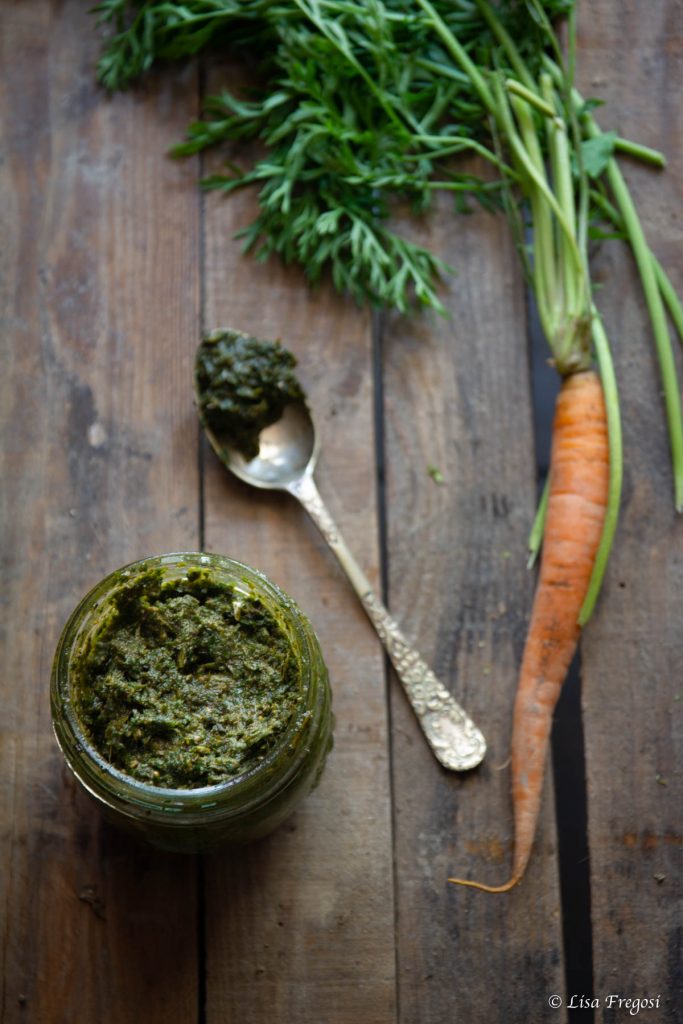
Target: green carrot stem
(574,292)
(504,37)
(459,144)
(647,154)
(570,70)
(673,303)
(653,296)
(445,70)
(538,527)
(531,97)
(608,208)
(669,294)
(544,268)
(525,153)
(609,387)
(640,152)
(460,186)
(460,55)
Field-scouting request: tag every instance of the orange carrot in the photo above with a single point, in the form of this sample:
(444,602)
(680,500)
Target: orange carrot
(577,501)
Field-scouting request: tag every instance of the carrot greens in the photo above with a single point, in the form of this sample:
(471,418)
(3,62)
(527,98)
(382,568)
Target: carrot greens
(359,106)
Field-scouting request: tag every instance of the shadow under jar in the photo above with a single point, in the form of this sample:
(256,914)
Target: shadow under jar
(243,806)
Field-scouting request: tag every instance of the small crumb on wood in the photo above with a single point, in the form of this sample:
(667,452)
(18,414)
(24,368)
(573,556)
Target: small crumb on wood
(499,612)
(659,878)
(97,435)
(661,780)
(89,895)
(436,474)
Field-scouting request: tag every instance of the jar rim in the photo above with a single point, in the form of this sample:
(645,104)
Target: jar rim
(165,798)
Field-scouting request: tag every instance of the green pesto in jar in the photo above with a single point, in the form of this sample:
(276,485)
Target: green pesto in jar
(243,385)
(185,682)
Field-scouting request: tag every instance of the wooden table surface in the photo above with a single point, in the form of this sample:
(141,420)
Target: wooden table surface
(111,264)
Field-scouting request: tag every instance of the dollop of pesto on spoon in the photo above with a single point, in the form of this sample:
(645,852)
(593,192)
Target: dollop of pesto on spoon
(243,385)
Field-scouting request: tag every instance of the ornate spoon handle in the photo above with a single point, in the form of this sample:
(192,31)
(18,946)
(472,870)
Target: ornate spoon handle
(455,739)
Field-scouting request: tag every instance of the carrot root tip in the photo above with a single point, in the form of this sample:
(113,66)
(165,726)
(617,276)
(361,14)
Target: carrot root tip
(506,887)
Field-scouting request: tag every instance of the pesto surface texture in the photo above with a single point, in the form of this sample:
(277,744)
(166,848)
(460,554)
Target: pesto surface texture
(243,385)
(184,682)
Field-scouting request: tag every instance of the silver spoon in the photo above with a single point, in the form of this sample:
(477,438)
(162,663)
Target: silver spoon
(288,451)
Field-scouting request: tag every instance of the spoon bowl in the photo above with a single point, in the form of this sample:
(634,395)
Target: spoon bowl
(288,450)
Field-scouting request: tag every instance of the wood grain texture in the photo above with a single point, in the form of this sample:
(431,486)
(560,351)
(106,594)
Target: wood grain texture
(632,650)
(344,915)
(457,398)
(99,280)
(301,927)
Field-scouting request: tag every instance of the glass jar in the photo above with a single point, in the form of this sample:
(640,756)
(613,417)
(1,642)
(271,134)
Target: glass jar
(242,808)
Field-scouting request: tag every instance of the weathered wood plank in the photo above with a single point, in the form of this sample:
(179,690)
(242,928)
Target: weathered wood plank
(300,927)
(457,398)
(632,650)
(99,280)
